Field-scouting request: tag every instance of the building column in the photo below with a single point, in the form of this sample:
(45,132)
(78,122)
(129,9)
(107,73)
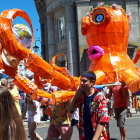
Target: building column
(72,40)
(139,16)
(51,37)
(43,26)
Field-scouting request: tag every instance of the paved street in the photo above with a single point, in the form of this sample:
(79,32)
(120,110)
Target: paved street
(132,126)
(133,129)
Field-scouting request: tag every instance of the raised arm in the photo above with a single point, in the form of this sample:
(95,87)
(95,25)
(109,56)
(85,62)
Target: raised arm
(73,102)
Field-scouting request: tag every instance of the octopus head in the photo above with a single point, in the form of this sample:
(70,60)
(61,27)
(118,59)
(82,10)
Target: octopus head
(108,27)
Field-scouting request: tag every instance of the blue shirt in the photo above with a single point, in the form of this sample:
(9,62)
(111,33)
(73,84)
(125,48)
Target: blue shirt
(87,118)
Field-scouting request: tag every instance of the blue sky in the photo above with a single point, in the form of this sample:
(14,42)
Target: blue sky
(29,7)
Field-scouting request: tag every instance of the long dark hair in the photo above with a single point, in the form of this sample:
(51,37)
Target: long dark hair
(11,125)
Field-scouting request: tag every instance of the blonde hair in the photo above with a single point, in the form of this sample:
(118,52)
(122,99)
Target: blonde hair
(4,82)
(11,126)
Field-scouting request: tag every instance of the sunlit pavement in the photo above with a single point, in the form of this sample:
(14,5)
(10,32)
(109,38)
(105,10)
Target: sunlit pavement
(132,126)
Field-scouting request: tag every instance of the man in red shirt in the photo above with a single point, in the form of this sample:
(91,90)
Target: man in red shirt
(120,95)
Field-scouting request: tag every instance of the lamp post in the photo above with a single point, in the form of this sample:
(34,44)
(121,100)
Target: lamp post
(36,48)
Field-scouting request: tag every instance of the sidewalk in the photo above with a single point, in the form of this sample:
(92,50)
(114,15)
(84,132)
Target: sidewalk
(132,110)
(46,123)
(42,123)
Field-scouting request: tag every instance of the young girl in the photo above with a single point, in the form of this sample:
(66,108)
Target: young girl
(33,108)
(11,125)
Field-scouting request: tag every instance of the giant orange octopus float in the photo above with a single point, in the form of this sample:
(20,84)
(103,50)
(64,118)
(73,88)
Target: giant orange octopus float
(106,29)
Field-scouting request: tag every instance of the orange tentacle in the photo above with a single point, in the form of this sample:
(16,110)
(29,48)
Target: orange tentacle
(9,41)
(62,70)
(30,88)
(100,76)
(11,71)
(46,71)
(38,82)
(13,13)
(45,98)
(11,60)
(62,95)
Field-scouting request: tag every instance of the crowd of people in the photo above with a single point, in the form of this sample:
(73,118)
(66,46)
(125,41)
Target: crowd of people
(90,110)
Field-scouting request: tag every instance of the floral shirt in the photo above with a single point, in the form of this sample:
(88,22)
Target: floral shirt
(60,114)
(99,115)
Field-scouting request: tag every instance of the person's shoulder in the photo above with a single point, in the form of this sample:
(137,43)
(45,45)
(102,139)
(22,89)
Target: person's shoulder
(36,102)
(100,95)
(99,92)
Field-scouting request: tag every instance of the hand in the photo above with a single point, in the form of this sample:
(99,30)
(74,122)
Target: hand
(79,92)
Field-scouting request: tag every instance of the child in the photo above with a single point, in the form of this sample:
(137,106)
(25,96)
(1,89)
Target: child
(11,125)
(33,108)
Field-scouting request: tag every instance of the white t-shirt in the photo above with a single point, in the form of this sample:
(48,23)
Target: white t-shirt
(34,114)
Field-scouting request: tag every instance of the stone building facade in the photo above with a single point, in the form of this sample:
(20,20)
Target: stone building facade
(60,22)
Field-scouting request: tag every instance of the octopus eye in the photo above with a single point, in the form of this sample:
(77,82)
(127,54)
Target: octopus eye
(99,18)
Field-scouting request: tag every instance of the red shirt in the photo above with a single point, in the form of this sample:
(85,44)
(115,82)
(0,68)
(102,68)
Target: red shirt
(99,115)
(119,100)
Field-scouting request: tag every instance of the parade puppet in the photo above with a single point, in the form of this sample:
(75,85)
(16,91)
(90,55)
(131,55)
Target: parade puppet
(106,29)
(14,49)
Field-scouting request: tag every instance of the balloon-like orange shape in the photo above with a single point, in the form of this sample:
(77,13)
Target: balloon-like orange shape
(107,31)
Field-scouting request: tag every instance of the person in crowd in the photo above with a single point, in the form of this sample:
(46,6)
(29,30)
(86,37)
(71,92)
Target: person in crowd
(75,118)
(110,102)
(93,112)
(11,125)
(53,88)
(15,93)
(47,87)
(135,102)
(4,82)
(33,108)
(129,114)
(138,106)
(45,117)
(22,101)
(111,113)
(120,94)
(60,125)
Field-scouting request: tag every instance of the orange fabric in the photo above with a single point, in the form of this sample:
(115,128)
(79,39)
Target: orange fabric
(108,28)
(38,82)
(62,70)
(62,96)
(37,65)
(11,71)
(30,88)
(111,35)
(9,41)
(57,75)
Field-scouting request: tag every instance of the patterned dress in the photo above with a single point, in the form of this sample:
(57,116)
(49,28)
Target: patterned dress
(99,115)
